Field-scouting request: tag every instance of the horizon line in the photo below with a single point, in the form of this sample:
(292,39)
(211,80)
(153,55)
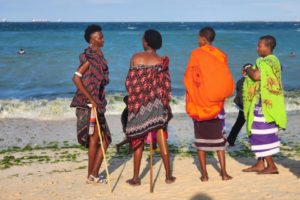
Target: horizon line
(239,21)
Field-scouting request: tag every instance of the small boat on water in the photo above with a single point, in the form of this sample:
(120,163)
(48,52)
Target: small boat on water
(131,27)
(39,20)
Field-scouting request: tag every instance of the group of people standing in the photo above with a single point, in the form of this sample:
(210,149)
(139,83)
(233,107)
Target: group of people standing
(208,83)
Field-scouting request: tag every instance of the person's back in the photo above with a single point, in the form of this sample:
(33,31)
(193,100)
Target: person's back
(208,82)
(148,86)
(145,58)
(238,101)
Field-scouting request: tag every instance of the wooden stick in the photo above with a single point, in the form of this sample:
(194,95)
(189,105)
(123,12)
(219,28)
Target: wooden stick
(162,135)
(102,148)
(151,169)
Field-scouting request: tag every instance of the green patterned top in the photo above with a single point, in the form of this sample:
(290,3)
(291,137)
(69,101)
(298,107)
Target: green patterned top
(269,89)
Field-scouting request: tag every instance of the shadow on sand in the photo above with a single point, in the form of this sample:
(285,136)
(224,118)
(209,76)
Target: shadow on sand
(280,159)
(243,154)
(210,160)
(116,161)
(156,159)
(201,196)
(121,159)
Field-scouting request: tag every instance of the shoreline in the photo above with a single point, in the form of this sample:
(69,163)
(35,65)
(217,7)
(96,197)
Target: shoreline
(40,159)
(21,132)
(59,108)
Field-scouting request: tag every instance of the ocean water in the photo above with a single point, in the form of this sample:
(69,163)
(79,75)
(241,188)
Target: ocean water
(39,82)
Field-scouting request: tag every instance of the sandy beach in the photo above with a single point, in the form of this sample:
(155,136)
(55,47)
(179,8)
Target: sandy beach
(40,159)
(191,51)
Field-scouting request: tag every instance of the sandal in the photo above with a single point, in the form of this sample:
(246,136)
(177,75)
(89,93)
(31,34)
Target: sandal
(93,179)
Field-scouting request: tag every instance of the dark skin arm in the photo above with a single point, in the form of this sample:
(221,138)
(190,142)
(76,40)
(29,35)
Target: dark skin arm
(77,81)
(254,74)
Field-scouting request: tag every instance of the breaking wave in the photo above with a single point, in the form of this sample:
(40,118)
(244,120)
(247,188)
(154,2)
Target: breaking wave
(59,108)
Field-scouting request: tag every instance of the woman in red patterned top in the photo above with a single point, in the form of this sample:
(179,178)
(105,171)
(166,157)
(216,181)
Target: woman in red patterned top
(90,79)
(149,93)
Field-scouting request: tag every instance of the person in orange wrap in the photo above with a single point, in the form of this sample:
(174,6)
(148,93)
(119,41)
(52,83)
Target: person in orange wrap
(208,83)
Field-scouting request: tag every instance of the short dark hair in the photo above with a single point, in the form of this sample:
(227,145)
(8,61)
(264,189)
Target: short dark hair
(269,40)
(153,38)
(208,32)
(90,30)
(247,64)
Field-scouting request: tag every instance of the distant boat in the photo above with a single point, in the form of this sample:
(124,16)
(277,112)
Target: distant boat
(131,27)
(4,20)
(59,20)
(39,20)
(21,52)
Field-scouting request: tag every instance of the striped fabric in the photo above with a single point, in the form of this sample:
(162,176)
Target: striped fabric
(264,140)
(94,80)
(83,125)
(209,134)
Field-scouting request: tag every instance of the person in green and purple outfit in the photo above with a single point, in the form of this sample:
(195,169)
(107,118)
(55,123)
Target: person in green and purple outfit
(264,106)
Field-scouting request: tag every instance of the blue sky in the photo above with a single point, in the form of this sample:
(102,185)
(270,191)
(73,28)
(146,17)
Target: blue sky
(151,10)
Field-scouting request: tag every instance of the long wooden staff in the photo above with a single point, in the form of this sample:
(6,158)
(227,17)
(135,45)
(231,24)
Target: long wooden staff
(103,151)
(162,135)
(151,169)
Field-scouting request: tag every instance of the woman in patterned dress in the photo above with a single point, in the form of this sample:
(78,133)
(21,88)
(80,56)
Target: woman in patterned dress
(149,93)
(264,106)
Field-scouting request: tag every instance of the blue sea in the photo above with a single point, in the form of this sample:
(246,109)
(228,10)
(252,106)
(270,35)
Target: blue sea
(44,73)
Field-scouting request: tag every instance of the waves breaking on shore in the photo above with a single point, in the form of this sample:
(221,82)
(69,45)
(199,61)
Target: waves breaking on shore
(59,108)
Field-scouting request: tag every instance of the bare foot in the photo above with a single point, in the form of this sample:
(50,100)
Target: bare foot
(269,170)
(134,182)
(259,166)
(170,180)
(254,168)
(225,176)
(204,178)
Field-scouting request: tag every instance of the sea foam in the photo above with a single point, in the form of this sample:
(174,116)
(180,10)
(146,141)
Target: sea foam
(59,108)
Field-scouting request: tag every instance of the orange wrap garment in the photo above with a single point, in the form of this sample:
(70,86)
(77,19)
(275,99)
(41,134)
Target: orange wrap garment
(208,83)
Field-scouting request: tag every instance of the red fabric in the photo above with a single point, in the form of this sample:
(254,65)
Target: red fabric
(136,143)
(143,90)
(94,79)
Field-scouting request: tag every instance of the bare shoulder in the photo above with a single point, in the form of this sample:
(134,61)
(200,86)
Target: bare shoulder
(143,58)
(136,58)
(138,55)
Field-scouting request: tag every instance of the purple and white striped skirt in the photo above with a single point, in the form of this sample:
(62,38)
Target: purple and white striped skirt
(209,135)
(264,140)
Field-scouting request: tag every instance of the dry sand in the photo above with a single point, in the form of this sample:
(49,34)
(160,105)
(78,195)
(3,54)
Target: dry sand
(66,179)
(44,181)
